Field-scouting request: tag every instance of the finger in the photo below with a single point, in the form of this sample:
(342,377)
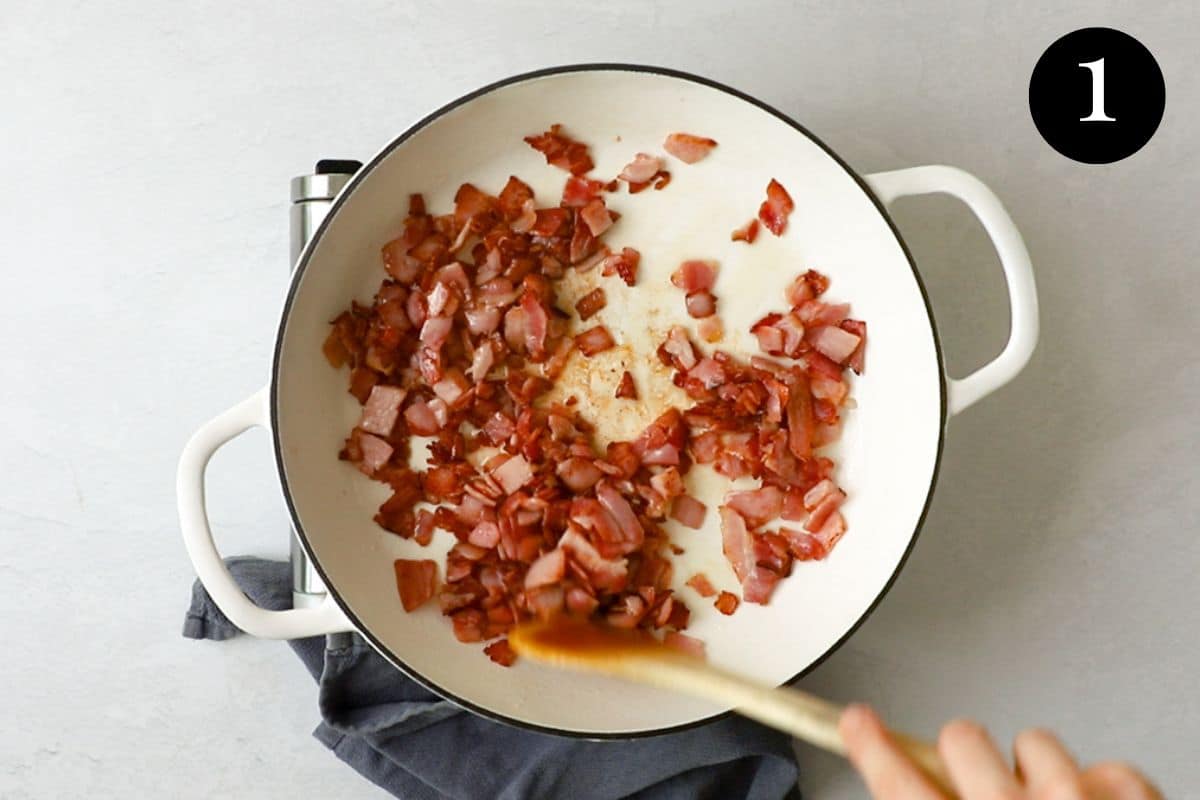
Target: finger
(975,763)
(1043,762)
(1115,781)
(889,775)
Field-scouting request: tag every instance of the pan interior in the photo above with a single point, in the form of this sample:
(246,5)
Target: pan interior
(890,446)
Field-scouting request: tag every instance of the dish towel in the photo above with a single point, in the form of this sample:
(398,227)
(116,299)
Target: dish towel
(418,746)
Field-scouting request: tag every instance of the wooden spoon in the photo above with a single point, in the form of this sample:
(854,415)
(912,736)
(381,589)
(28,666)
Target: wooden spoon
(639,657)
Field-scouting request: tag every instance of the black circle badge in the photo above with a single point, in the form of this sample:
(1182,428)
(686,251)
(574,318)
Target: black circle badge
(1097,95)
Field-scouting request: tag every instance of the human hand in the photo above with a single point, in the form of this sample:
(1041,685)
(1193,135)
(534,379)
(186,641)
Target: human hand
(1044,768)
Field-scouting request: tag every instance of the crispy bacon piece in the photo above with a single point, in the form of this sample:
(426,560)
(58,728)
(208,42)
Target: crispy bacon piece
(688,511)
(775,209)
(626,388)
(416,582)
(578,192)
(747,233)
(701,305)
(382,409)
(834,343)
(857,360)
(501,652)
(702,585)
(595,215)
(688,148)
(695,276)
(594,340)
(561,150)
(624,264)
(588,305)
(726,603)
(642,169)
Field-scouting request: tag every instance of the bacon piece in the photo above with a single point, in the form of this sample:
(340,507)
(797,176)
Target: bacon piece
(421,419)
(834,343)
(537,321)
(668,483)
(642,169)
(452,386)
(375,453)
(626,388)
(501,652)
(382,409)
(688,511)
(486,535)
(747,233)
(561,150)
(416,582)
(468,625)
(482,361)
(605,574)
(726,603)
(832,531)
(702,585)
(514,197)
(775,209)
(759,586)
(708,372)
(594,340)
(549,568)
(623,264)
(758,506)
(710,329)
(578,192)
(800,418)
(680,349)
(578,474)
(695,276)
(513,474)
(857,360)
(595,215)
(590,303)
(620,510)
(701,305)
(684,643)
(688,148)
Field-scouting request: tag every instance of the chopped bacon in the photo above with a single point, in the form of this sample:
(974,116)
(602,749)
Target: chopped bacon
(578,474)
(421,420)
(501,652)
(726,603)
(701,305)
(695,276)
(562,151)
(702,585)
(590,303)
(688,148)
(382,409)
(688,511)
(514,473)
(626,388)
(623,264)
(549,568)
(642,169)
(578,192)
(595,215)
(857,360)
(756,507)
(684,643)
(834,343)
(594,340)
(416,582)
(747,233)
(465,337)
(375,453)
(775,209)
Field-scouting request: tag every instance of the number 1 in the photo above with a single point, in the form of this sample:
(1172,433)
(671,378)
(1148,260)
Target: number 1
(1097,69)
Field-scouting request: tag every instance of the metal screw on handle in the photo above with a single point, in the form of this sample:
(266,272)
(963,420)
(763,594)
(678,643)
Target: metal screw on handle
(312,196)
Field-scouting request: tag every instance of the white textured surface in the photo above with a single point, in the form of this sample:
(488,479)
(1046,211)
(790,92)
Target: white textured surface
(146,155)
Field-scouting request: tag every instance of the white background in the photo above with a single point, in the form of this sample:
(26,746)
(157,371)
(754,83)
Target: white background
(146,150)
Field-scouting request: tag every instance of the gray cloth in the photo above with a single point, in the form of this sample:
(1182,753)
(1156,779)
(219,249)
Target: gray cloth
(416,745)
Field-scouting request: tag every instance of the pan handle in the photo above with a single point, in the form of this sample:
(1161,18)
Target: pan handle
(296,623)
(1014,259)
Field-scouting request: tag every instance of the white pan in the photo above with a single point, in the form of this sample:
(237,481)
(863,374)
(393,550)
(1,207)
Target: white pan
(888,458)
